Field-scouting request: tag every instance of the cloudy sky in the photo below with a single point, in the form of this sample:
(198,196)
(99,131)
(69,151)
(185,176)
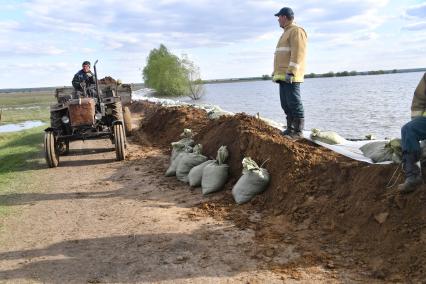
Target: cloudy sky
(43,42)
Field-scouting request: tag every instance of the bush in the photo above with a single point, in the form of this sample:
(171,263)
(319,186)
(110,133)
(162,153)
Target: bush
(193,79)
(165,73)
(171,76)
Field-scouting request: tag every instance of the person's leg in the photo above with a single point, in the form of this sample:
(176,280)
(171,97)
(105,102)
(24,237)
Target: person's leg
(284,91)
(295,105)
(411,134)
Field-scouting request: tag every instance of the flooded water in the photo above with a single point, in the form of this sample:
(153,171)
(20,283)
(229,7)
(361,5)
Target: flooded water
(352,106)
(14,127)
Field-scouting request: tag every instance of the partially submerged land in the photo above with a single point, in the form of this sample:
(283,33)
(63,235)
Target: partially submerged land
(324,217)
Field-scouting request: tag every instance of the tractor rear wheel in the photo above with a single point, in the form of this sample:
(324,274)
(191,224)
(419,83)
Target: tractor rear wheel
(127,117)
(51,149)
(117,111)
(120,142)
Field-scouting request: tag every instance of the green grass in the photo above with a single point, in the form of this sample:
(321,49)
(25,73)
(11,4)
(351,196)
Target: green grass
(18,107)
(21,155)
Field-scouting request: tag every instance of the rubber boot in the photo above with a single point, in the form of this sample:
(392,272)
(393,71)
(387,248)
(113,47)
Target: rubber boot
(299,124)
(289,128)
(413,175)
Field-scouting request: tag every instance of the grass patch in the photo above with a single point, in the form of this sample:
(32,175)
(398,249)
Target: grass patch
(18,107)
(21,155)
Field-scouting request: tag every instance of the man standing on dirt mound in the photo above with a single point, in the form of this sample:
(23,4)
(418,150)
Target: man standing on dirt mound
(411,133)
(289,71)
(84,78)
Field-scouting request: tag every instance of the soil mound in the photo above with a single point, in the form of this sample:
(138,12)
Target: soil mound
(342,204)
(164,125)
(107,80)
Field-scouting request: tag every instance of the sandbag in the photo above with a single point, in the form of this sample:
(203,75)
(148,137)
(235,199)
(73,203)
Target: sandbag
(253,181)
(171,171)
(180,147)
(328,137)
(216,112)
(382,151)
(187,162)
(183,145)
(215,174)
(196,173)
(214,177)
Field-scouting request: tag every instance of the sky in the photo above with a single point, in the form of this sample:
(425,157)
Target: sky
(44,42)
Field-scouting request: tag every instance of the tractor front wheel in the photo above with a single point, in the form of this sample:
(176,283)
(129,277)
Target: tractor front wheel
(120,142)
(51,149)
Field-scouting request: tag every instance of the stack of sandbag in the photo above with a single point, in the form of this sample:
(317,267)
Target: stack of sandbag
(328,137)
(382,151)
(189,160)
(253,181)
(215,174)
(182,146)
(171,171)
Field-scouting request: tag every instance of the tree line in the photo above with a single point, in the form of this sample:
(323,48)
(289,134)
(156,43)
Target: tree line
(339,74)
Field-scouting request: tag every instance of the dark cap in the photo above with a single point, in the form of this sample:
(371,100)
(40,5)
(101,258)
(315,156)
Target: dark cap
(86,63)
(286,11)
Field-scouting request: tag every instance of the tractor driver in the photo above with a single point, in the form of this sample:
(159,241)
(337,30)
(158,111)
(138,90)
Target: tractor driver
(84,81)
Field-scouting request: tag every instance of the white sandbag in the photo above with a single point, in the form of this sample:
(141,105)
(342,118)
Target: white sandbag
(328,137)
(171,171)
(253,181)
(196,173)
(187,162)
(215,174)
(382,151)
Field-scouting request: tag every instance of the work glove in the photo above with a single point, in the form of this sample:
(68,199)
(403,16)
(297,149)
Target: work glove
(289,78)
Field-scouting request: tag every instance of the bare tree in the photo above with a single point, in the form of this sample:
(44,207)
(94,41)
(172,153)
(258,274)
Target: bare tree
(195,84)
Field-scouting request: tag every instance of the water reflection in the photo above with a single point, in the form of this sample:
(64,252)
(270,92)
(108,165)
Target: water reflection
(14,127)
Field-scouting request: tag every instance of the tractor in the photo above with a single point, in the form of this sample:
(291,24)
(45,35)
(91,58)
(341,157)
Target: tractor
(96,113)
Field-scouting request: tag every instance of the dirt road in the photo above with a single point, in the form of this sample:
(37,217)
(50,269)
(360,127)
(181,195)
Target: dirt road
(96,220)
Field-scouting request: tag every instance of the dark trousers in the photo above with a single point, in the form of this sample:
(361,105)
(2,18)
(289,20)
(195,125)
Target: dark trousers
(291,101)
(411,133)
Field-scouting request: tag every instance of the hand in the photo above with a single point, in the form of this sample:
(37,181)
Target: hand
(289,78)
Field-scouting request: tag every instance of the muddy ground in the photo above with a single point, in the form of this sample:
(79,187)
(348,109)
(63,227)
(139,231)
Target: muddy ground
(324,218)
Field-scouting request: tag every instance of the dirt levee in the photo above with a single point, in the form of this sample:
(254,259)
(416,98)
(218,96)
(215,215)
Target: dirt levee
(342,205)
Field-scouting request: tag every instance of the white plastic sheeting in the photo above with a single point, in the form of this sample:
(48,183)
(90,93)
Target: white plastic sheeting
(350,149)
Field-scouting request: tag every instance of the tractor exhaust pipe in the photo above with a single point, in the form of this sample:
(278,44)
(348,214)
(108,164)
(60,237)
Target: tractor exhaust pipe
(96,80)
